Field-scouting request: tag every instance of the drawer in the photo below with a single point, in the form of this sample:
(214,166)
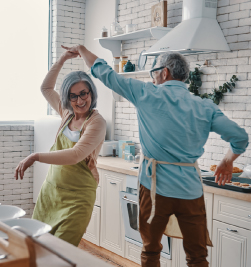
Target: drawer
(98,197)
(232,211)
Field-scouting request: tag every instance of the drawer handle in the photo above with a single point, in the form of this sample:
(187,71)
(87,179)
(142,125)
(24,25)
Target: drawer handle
(112,183)
(129,200)
(235,231)
(249,215)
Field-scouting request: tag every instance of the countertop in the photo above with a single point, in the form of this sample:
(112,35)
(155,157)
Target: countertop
(122,166)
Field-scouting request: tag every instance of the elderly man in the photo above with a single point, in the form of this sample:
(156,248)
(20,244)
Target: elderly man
(173,127)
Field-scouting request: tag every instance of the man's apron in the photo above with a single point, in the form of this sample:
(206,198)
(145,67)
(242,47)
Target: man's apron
(172,228)
(67,196)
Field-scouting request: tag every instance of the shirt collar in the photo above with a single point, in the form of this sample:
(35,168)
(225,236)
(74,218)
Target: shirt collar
(175,83)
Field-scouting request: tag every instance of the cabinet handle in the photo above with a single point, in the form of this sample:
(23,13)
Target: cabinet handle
(112,183)
(129,200)
(249,215)
(235,231)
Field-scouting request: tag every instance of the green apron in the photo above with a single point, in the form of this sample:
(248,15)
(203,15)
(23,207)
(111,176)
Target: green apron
(67,196)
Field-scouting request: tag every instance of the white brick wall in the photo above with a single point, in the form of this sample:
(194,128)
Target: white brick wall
(234,17)
(16,142)
(68,27)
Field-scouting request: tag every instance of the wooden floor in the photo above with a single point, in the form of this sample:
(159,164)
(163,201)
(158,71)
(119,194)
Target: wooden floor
(106,255)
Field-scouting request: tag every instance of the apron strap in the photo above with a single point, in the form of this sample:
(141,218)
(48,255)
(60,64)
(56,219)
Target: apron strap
(153,177)
(85,121)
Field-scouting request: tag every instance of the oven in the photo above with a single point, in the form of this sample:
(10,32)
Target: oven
(129,200)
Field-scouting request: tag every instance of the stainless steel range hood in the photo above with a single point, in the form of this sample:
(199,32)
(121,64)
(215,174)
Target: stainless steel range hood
(199,31)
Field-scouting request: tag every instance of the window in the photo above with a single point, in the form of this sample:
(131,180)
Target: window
(24,58)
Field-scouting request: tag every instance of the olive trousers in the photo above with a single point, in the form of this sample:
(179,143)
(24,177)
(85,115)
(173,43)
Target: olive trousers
(191,216)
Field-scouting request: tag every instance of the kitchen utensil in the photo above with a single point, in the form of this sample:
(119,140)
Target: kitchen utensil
(137,158)
(211,181)
(142,61)
(3,256)
(104,32)
(21,248)
(116,28)
(29,234)
(236,174)
(246,171)
(130,28)
(10,212)
(122,63)
(36,227)
(107,148)
(115,64)
(129,67)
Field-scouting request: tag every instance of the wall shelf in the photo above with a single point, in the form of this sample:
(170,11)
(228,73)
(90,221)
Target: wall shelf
(114,43)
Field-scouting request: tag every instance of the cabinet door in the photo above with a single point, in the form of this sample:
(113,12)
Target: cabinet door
(179,255)
(133,253)
(93,229)
(232,246)
(112,227)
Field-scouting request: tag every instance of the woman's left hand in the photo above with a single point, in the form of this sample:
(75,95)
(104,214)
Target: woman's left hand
(24,164)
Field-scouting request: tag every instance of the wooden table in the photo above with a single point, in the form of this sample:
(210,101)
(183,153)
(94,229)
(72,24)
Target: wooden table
(46,259)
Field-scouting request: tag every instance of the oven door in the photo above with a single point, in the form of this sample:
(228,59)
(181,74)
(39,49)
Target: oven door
(130,216)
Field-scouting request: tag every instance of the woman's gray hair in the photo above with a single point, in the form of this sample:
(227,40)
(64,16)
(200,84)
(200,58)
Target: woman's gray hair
(71,79)
(176,64)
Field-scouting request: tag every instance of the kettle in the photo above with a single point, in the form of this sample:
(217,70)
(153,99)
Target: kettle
(129,67)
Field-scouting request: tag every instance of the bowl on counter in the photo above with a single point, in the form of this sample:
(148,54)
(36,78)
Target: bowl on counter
(236,174)
(34,227)
(10,212)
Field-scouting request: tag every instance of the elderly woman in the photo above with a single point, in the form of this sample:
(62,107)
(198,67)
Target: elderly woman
(68,194)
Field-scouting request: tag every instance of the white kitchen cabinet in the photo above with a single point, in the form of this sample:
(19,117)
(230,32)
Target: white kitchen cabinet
(93,230)
(231,232)
(112,228)
(178,255)
(233,211)
(232,246)
(133,252)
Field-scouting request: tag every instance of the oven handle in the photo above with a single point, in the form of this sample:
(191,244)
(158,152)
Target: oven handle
(129,200)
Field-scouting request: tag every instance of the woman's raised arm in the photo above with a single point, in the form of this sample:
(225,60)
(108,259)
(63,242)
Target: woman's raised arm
(47,87)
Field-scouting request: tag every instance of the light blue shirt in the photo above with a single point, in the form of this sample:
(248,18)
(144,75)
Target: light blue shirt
(173,126)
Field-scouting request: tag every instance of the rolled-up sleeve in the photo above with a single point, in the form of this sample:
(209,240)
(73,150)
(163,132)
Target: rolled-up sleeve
(130,89)
(230,132)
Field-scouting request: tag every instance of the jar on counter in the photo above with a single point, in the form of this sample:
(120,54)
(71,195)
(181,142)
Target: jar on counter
(115,62)
(122,63)
(104,32)
(137,158)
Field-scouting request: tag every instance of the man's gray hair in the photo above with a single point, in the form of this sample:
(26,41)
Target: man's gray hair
(71,79)
(176,64)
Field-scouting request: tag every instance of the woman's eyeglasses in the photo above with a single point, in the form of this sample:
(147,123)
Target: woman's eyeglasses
(83,95)
(152,71)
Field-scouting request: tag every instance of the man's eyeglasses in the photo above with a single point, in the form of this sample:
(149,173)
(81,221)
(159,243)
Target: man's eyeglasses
(152,71)
(83,95)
